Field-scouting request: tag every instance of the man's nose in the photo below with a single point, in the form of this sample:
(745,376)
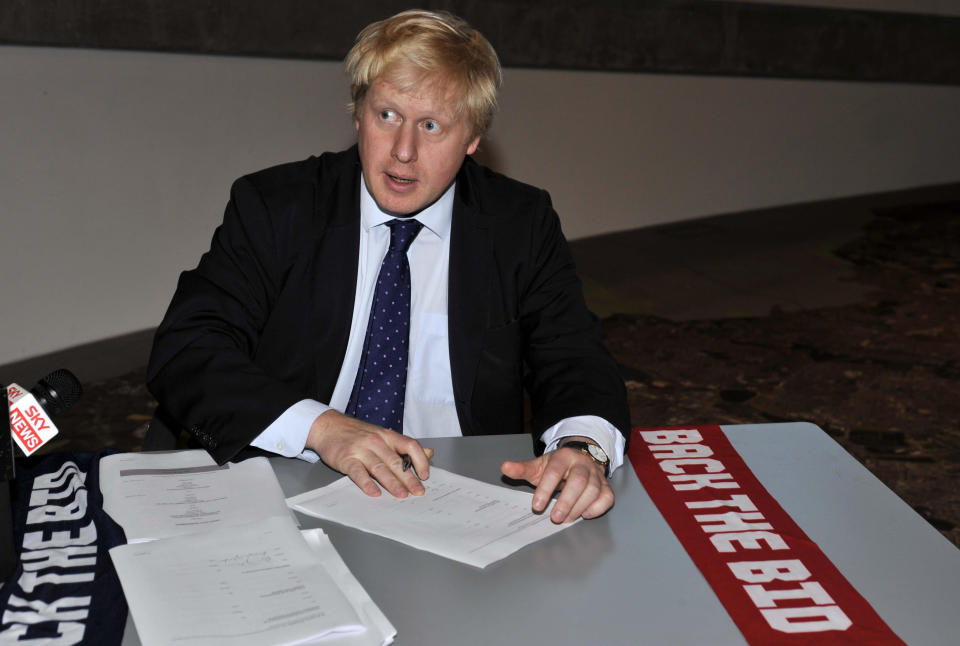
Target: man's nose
(405,144)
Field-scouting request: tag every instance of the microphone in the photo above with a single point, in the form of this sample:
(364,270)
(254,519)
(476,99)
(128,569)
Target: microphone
(31,411)
(31,427)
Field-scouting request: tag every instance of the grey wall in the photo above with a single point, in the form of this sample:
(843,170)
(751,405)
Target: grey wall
(115,166)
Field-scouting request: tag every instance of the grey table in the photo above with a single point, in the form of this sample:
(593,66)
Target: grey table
(625,579)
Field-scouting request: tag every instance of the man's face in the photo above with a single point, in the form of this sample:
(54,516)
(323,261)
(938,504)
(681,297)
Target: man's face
(411,145)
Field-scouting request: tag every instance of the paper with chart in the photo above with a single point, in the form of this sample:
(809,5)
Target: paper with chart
(458,517)
(258,583)
(155,495)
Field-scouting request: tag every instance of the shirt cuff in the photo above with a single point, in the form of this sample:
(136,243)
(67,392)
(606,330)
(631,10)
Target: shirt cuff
(287,435)
(596,428)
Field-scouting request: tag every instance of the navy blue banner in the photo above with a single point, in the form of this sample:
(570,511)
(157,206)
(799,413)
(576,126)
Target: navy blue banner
(64,590)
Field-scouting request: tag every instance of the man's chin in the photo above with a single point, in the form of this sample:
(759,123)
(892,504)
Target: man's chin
(400,211)
(402,207)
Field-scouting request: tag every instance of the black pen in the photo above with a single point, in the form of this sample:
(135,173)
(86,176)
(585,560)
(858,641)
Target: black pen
(407,462)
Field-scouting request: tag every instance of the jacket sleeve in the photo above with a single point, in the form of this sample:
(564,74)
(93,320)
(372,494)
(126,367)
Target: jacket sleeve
(202,368)
(570,371)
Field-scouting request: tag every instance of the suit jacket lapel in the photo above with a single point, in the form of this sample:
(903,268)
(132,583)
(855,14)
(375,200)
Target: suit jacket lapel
(467,298)
(336,272)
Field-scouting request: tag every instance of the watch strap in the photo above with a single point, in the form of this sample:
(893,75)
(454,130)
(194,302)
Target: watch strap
(584,447)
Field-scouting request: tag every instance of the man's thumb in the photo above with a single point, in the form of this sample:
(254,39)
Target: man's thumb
(521,471)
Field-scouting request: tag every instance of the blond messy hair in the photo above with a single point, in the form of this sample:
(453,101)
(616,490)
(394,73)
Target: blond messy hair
(416,48)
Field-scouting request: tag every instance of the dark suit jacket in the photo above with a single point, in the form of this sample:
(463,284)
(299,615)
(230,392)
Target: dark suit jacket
(263,320)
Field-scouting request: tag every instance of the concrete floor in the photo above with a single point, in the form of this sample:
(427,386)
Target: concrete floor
(737,265)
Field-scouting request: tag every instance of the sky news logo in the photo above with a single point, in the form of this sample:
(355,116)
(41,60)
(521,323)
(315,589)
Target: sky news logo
(29,423)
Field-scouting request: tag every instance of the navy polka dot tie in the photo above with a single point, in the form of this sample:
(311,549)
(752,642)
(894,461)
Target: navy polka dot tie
(381,382)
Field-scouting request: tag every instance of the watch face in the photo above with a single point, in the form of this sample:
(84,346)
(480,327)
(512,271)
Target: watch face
(597,453)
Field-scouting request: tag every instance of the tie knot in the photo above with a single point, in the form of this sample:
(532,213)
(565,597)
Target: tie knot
(402,233)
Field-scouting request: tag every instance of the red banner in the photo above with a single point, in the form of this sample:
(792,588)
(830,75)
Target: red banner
(775,583)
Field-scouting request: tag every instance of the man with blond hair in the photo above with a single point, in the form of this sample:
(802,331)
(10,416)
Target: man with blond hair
(357,302)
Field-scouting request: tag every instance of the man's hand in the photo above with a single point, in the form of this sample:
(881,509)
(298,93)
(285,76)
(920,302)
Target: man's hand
(584,487)
(366,452)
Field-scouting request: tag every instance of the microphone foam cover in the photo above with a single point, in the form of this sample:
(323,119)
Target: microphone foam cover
(58,391)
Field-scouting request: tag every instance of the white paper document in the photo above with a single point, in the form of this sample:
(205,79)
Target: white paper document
(253,584)
(379,629)
(155,495)
(458,517)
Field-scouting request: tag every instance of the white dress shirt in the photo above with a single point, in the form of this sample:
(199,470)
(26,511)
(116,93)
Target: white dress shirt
(429,407)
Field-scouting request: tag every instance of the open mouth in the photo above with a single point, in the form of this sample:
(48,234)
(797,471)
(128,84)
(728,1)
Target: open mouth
(400,180)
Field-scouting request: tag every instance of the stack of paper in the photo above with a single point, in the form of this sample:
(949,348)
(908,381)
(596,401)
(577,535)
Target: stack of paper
(215,557)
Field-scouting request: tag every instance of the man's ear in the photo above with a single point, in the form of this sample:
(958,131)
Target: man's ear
(356,125)
(472,146)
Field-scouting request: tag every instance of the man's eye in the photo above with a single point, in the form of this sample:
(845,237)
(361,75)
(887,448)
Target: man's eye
(388,115)
(431,126)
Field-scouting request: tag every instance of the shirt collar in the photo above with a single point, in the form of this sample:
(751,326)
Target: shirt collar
(436,217)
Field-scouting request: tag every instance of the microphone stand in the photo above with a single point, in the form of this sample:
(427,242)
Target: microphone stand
(8,548)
